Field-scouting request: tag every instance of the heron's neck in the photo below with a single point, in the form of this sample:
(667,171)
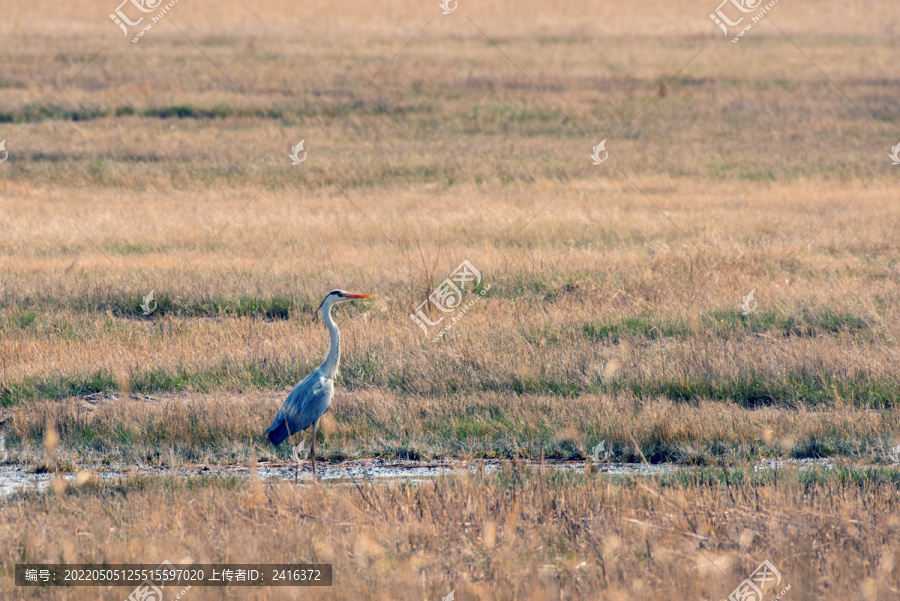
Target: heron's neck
(330,365)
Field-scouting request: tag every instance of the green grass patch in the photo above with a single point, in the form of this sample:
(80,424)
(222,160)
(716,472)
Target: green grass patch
(862,477)
(189,111)
(731,322)
(817,447)
(266,307)
(34,113)
(121,304)
(20,319)
(755,390)
(640,326)
(791,389)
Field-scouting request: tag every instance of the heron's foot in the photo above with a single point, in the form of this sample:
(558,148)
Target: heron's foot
(299,453)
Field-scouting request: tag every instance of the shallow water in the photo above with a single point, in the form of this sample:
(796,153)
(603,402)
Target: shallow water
(16,477)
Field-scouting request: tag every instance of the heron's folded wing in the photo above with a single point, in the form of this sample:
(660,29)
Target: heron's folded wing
(304,405)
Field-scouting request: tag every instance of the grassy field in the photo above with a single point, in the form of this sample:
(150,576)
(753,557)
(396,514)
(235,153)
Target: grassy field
(613,311)
(517,534)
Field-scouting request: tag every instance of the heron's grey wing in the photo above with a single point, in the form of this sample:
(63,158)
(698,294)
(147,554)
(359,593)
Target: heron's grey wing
(308,401)
(303,407)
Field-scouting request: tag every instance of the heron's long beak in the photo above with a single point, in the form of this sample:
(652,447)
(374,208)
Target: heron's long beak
(347,297)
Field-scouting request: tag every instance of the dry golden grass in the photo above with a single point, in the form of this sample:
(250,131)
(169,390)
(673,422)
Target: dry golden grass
(547,327)
(612,314)
(514,534)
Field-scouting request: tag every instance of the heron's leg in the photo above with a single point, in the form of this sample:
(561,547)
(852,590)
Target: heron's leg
(313,451)
(293,449)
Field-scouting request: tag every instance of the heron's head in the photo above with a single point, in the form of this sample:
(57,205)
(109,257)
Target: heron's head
(339,296)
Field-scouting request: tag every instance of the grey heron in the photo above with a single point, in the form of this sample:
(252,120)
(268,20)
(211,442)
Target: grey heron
(311,398)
